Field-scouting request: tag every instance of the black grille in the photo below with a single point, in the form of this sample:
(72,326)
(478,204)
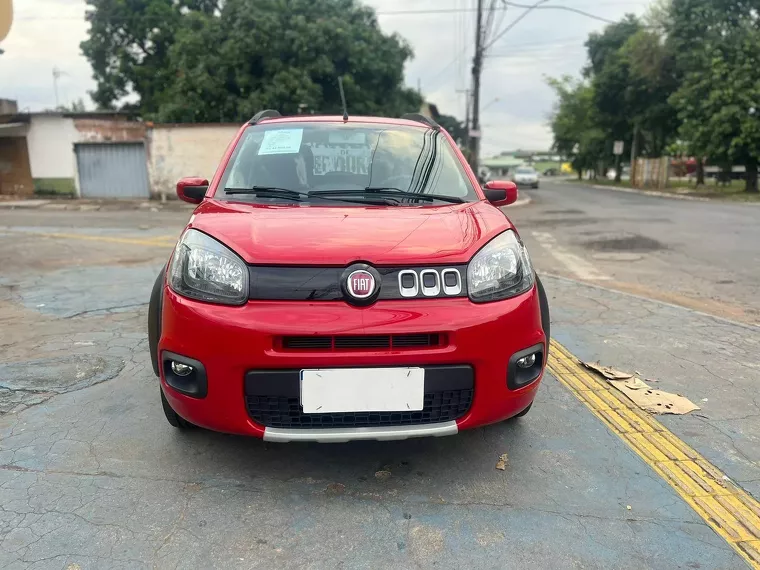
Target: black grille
(307,342)
(374,341)
(414,340)
(284,412)
(421,340)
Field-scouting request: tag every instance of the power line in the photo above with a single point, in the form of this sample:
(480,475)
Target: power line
(514,22)
(513,4)
(559,7)
(447,66)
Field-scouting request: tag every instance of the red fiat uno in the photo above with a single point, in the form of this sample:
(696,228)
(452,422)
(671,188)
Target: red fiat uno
(346,279)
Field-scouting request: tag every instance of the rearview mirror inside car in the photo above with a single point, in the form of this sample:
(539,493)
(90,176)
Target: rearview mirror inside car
(192,189)
(500,192)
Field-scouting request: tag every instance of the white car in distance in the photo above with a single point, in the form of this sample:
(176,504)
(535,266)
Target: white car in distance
(525,176)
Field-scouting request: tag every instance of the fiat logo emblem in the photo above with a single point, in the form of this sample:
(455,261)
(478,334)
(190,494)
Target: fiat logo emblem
(360,284)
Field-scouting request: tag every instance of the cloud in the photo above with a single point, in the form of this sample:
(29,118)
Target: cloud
(47,33)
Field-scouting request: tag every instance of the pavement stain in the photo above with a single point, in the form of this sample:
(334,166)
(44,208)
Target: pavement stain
(632,243)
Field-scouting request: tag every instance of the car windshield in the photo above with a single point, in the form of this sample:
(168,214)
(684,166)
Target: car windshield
(525,171)
(363,159)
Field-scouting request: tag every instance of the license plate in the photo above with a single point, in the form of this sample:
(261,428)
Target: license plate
(329,390)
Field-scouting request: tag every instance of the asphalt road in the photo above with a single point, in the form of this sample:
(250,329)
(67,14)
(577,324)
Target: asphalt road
(702,255)
(92,476)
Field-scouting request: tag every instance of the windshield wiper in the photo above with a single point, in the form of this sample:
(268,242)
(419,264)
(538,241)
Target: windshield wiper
(269,192)
(296,196)
(389,191)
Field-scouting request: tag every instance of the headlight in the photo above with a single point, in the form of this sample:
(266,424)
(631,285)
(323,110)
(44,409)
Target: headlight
(501,269)
(204,269)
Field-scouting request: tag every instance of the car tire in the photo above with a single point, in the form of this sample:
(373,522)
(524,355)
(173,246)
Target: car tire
(523,413)
(535,187)
(173,417)
(154,320)
(543,303)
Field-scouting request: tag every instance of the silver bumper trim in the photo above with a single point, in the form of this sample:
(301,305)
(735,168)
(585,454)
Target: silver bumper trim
(340,435)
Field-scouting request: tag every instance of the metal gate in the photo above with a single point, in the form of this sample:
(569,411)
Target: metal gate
(112,170)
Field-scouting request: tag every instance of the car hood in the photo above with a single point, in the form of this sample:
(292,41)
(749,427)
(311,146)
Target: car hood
(311,235)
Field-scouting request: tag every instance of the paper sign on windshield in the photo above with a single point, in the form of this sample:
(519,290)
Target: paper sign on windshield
(281,141)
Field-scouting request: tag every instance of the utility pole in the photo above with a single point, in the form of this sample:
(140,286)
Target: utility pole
(634,150)
(477,65)
(466,141)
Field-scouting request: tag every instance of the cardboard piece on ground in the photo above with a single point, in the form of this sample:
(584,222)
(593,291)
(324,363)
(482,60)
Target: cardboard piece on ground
(640,393)
(655,401)
(501,464)
(607,371)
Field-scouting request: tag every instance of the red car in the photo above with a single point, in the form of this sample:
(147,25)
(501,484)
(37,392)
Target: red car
(347,279)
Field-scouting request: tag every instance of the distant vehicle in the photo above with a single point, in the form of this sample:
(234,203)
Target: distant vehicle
(525,176)
(551,172)
(347,279)
(625,173)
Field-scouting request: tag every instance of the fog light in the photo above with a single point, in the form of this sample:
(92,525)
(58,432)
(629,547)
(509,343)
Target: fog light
(527,361)
(181,369)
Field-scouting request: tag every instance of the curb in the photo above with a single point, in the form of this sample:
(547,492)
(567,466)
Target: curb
(653,193)
(26,204)
(94,205)
(668,195)
(520,202)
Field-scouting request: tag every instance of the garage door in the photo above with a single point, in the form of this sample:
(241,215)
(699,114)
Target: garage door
(112,170)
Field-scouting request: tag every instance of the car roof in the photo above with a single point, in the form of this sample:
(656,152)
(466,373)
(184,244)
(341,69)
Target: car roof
(339,119)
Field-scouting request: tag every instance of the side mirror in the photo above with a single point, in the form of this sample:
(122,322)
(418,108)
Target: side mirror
(192,189)
(500,192)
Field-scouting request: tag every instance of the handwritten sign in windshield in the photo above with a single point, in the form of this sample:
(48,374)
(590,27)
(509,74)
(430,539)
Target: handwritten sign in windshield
(281,141)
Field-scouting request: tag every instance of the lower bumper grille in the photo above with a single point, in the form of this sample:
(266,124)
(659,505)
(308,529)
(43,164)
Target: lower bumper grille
(272,398)
(283,412)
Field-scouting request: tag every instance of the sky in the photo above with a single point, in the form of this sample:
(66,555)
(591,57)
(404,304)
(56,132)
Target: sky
(515,100)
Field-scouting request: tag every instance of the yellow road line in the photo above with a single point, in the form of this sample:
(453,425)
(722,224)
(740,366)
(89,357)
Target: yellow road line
(729,510)
(159,241)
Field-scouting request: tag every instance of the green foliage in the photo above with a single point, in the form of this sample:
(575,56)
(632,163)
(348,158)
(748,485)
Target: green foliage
(577,134)
(454,126)
(717,43)
(199,61)
(632,72)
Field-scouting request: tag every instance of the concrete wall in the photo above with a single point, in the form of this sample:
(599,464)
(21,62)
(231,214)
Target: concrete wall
(51,141)
(176,151)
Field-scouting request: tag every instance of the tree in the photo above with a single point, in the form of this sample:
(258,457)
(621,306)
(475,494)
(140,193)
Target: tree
(454,126)
(631,71)
(717,43)
(128,46)
(198,61)
(577,135)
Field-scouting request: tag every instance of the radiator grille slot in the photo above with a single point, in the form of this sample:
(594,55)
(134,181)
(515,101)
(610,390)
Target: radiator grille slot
(357,342)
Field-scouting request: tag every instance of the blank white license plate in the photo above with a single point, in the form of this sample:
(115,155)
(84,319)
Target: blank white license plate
(328,390)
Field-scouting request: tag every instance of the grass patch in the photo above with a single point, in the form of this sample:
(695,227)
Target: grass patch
(733,192)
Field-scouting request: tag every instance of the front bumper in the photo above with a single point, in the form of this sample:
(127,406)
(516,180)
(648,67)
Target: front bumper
(233,342)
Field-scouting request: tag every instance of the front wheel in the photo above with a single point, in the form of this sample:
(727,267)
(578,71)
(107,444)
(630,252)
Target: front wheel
(154,319)
(523,413)
(173,417)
